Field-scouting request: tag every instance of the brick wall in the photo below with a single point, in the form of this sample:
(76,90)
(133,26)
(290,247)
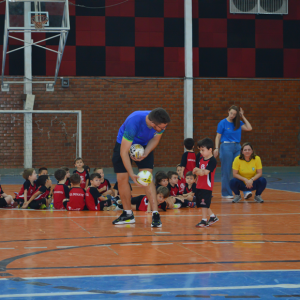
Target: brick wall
(271,106)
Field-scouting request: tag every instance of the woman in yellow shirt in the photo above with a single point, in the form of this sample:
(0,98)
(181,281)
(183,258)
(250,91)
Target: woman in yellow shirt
(247,173)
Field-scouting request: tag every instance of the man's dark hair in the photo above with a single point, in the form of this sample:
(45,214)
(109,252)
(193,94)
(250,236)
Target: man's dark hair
(190,174)
(159,116)
(189,143)
(42,169)
(171,173)
(207,143)
(60,174)
(160,176)
(75,179)
(42,180)
(94,175)
(164,191)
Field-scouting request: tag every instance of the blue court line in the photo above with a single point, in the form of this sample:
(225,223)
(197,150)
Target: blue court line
(256,283)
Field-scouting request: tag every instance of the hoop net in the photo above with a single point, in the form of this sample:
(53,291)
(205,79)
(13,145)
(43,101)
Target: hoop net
(39,21)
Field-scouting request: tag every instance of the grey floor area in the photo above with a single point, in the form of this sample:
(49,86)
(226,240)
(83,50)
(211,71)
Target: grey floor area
(280,178)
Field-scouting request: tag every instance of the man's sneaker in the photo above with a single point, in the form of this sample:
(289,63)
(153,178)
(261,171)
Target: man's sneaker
(227,197)
(156,220)
(237,198)
(258,199)
(177,205)
(202,224)
(124,219)
(247,195)
(192,204)
(212,220)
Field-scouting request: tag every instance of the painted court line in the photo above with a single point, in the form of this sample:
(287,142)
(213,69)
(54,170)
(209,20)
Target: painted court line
(159,274)
(218,288)
(66,246)
(161,232)
(130,245)
(223,242)
(6,248)
(35,247)
(193,243)
(253,242)
(158,244)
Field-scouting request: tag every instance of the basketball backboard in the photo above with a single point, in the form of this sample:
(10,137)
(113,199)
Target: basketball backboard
(30,16)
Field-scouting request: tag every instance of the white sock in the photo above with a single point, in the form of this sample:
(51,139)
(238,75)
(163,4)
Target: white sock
(212,216)
(204,220)
(128,212)
(155,211)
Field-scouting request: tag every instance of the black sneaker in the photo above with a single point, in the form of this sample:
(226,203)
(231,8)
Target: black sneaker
(212,220)
(156,220)
(202,224)
(124,219)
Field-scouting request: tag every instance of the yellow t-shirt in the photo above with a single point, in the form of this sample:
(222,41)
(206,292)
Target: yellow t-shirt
(247,169)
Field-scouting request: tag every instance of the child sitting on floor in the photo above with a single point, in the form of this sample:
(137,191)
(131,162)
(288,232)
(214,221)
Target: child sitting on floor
(94,199)
(4,198)
(141,202)
(61,191)
(39,198)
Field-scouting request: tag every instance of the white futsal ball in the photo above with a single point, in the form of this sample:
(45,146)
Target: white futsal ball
(136,151)
(145,177)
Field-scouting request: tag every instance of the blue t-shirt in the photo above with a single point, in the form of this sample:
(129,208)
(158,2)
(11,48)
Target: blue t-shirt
(135,129)
(226,129)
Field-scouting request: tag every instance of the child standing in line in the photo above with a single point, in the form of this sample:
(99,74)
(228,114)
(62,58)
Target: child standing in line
(206,174)
(188,160)
(84,174)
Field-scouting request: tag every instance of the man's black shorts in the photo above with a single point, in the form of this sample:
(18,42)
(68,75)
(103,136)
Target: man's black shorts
(203,198)
(146,163)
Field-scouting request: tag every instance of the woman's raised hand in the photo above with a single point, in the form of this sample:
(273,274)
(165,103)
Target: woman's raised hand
(241,112)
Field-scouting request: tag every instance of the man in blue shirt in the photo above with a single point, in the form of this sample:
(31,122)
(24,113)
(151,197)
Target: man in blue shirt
(144,128)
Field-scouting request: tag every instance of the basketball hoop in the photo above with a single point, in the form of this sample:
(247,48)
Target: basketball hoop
(39,21)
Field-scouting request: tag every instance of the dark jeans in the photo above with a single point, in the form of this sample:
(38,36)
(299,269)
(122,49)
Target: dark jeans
(259,185)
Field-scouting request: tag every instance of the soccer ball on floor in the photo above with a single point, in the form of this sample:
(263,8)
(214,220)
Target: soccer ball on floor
(145,177)
(136,151)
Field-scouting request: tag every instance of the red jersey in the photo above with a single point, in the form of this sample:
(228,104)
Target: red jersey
(77,199)
(174,190)
(44,193)
(60,192)
(91,198)
(106,184)
(84,176)
(206,182)
(181,184)
(188,161)
(30,190)
(144,204)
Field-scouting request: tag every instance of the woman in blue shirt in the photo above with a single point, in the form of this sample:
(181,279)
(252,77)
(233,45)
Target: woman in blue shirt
(229,132)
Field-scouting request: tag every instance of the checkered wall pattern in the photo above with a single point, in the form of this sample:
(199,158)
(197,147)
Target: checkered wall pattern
(146,38)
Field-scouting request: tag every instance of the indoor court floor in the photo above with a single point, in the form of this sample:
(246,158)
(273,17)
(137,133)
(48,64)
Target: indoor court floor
(252,252)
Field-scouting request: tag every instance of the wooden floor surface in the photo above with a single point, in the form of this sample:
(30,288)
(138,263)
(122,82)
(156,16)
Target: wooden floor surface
(249,236)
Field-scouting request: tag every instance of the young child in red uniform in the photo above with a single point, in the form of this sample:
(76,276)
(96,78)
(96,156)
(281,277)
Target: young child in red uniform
(206,174)
(40,197)
(28,187)
(181,179)
(105,187)
(94,199)
(67,183)
(188,160)
(61,191)
(76,199)
(84,174)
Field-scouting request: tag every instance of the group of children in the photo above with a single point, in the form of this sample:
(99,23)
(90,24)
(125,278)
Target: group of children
(190,186)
